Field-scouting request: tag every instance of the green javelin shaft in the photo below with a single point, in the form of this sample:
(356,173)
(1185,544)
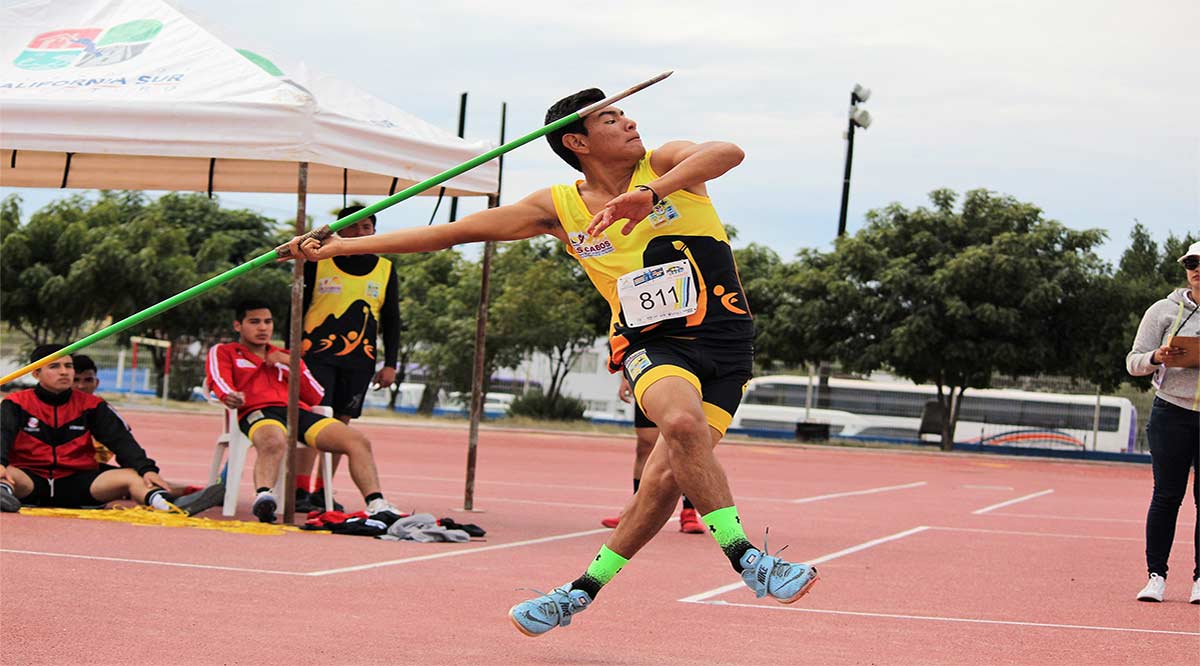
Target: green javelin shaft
(276,254)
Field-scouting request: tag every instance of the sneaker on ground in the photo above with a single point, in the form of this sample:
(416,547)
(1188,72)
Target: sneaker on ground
(304,502)
(202,500)
(1154,589)
(610,523)
(769,575)
(1195,596)
(317,498)
(382,511)
(689,522)
(8,501)
(264,508)
(537,616)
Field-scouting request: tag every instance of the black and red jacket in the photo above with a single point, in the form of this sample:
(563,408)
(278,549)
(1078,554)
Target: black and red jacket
(50,434)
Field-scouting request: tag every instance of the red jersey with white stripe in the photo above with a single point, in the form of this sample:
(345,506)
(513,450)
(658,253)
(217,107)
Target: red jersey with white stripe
(232,367)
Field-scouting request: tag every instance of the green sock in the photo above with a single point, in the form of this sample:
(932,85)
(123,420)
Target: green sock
(602,569)
(726,527)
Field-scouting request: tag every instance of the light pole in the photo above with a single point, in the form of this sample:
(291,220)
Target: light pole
(858,118)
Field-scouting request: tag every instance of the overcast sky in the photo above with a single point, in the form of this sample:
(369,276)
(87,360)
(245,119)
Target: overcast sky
(1088,109)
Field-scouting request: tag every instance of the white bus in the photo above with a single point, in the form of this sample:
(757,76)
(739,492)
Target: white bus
(891,411)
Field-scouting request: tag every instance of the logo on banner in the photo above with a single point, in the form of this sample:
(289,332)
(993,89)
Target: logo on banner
(88,47)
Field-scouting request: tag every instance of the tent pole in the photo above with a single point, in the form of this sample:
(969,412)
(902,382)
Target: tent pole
(462,127)
(477,392)
(293,411)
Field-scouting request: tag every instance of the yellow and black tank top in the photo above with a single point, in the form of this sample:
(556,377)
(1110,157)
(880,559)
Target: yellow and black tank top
(341,323)
(682,226)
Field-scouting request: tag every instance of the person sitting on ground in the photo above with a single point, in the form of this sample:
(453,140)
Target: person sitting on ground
(46,453)
(191,499)
(251,376)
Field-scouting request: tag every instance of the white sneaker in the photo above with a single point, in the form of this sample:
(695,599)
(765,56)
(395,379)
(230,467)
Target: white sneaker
(1195,598)
(1154,589)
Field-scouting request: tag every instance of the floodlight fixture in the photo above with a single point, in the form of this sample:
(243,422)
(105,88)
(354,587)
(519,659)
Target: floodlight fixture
(860,117)
(860,93)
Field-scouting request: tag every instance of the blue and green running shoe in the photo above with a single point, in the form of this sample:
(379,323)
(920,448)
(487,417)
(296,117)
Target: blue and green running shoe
(537,616)
(769,575)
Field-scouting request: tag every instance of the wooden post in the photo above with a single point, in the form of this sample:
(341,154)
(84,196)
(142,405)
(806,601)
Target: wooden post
(293,411)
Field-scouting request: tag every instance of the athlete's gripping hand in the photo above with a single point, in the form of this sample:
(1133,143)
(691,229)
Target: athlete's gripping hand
(632,206)
(315,245)
(153,480)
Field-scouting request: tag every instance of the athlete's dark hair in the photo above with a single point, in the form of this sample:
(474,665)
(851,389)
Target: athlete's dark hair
(42,351)
(563,108)
(83,363)
(350,210)
(247,305)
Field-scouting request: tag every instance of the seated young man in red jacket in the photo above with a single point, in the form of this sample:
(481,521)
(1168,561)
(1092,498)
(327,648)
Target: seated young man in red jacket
(46,453)
(251,376)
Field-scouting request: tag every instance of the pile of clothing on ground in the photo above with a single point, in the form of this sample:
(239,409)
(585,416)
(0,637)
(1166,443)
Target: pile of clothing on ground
(419,527)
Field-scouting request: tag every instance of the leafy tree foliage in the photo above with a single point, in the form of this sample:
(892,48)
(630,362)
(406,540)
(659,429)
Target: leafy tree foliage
(947,295)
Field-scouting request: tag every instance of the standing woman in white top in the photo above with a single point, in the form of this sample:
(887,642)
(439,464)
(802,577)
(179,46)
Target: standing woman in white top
(1174,427)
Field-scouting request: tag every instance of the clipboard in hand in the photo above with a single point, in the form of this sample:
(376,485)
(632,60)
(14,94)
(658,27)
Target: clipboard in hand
(1191,356)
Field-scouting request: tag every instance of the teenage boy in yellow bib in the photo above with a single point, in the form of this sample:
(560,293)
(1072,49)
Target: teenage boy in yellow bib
(643,228)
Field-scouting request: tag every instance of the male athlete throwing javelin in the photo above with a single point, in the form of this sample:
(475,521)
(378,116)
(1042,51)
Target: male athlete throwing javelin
(681,330)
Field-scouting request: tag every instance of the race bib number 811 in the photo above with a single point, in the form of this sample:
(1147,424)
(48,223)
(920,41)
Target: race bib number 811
(655,293)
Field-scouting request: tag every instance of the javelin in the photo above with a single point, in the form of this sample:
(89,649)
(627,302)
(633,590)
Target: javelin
(282,251)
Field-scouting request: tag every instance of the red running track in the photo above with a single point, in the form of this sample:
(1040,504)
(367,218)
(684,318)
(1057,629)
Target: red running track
(925,558)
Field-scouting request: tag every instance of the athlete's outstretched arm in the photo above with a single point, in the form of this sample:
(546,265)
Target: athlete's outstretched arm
(682,165)
(526,218)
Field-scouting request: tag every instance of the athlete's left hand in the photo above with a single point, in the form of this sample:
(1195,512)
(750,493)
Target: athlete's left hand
(279,358)
(385,377)
(632,206)
(152,479)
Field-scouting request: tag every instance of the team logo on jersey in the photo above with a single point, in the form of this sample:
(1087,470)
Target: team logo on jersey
(586,247)
(372,290)
(662,214)
(637,363)
(244,363)
(32,424)
(329,285)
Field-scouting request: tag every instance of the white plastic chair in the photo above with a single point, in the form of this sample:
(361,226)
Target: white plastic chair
(237,444)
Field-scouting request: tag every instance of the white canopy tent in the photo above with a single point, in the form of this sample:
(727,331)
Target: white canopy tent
(132,94)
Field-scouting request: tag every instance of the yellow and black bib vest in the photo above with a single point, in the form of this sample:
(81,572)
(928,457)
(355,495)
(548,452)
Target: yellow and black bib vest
(342,320)
(682,226)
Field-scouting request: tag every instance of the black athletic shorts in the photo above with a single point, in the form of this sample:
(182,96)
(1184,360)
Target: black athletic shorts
(70,492)
(345,388)
(718,369)
(311,424)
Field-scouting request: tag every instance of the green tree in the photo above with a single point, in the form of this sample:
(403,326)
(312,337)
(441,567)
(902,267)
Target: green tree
(544,305)
(947,296)
(79,261)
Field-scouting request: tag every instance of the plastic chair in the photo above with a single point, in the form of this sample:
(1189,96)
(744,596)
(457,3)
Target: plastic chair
(237,444)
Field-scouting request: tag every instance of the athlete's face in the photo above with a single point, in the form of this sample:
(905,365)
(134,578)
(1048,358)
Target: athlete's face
(57,375)
(256,327)
(612,134)
(364,227)
(86,381)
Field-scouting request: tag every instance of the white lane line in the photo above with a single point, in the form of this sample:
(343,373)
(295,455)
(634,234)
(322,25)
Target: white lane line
(869,491)
(1045,516)
(699,598)
(934,618)
(455,553)
(1045,534)
(1010,502)
(155,562)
